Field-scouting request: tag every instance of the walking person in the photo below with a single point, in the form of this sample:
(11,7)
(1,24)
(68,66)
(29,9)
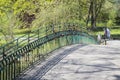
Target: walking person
(99,38)
(106,34)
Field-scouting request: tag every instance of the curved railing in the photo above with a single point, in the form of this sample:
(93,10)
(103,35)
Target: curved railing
(14,45)
(26,51)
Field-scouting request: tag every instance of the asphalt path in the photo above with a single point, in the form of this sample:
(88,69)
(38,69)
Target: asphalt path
(79,62)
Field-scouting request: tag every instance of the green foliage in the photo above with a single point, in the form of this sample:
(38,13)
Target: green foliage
(2,42)
(5,6)
(10,14)
(6,26)
(110,12)
(23,6)
(82,23)
(60,12)
(21,31)
(36,13)
(101,24)
(110,23)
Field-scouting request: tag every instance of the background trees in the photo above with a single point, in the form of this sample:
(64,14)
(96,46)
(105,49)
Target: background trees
(95,7)
(36,13)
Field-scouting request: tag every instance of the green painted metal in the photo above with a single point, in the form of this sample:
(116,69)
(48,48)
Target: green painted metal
(28,49)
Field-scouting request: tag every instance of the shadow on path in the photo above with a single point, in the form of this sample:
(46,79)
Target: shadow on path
(50,64)
(117,77)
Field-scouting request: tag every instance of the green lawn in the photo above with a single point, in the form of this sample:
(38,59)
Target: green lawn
(115,32)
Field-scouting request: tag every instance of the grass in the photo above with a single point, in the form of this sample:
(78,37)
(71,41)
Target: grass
(115,32)
(17,33)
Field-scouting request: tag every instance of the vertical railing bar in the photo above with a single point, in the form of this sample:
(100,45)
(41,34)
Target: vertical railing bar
(28,38)
(12,68)
(4,52)
(6,76)
(17,44)
(38,33)
(19,67)
(9,68)
(3,72)
(0,74)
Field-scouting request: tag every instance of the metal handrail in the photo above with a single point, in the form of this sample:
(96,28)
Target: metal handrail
(22,40)
(27,52)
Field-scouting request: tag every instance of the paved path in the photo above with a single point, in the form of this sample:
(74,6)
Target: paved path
(80,62)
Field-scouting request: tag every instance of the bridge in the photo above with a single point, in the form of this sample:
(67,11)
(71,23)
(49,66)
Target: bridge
(46,47)
(79,62)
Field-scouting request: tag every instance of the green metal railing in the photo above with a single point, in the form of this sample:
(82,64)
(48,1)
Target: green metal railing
(14,45)
(7,49)
(26,50)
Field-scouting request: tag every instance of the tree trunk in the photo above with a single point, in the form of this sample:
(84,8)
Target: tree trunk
(93,15)
(89,12)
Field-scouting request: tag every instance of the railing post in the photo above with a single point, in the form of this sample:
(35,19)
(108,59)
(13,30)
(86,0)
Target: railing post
(0,75)
(6,65)
(38,33)
(17,44)
(46,30)
(3,73)
(9,73)
(3,52)
(28,38)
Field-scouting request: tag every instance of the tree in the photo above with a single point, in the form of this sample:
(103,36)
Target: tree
(6,19)
(13,15)
(94,10)
(110,13)
(61,11)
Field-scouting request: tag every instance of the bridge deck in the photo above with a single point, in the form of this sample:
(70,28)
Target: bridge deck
(79,62)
